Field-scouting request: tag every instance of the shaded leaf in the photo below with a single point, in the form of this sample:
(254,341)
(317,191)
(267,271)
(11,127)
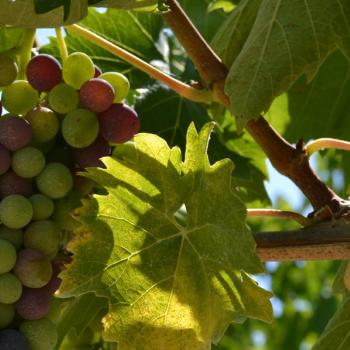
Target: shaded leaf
(170,285)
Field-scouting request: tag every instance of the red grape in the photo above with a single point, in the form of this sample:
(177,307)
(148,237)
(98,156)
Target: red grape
(44,72)
(34,303)
(119,123)
(15,133)
(98,71)
(55,281)
(10,183)
(5,160)
(90,156)
(97,95)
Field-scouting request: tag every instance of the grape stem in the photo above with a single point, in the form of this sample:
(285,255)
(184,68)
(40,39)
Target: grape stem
(324,143)
(61,44)
(24,52)
(187,91)
(300,219)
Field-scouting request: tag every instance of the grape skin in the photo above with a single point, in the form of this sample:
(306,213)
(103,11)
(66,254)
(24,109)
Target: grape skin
(98,71)
(63,98)
(15,133)
(97,95)
(10,288)
(55,181)
(16,211)
(90,156)
(43,206)
(8,256)
(28,162)
(14,236)
(33,268)
(80,128)
(34,303)
(11,183)
(19,97)
(8,70)
(44,72)
(10,339)
(5,159)
(7,314)
(44,124)
(120,84)
(119,123)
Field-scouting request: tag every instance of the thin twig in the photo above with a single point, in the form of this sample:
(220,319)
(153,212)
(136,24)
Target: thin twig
(324,143)
(61,44)
(187,91)
(300,219)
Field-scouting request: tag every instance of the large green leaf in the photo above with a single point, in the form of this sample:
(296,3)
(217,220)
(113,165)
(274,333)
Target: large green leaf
(9,38)
(287,39)
(136,32)
(170,285)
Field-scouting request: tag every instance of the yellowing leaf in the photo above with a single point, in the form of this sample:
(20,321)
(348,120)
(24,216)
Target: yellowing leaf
(169,285)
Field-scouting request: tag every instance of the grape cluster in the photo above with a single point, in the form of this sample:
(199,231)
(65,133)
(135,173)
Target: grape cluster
(60,120)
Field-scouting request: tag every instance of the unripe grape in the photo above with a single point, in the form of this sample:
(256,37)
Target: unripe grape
(8,70)
(77,69)
(7,314)
(28,162)
(10,288)
(119,123)
(40,334)
(15,211)
(43,206)
(33,268)
(63,99)
(120,84)
(14,236)
(43,236)
(80,128)
(11,183)
(44,72)
(15,133)
(5,159)
(44,124)
(19,97)
(7,256)
(55,181)
(11,339)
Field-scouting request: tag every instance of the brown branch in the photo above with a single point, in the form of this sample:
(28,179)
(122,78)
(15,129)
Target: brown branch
(288,160)
(326,241)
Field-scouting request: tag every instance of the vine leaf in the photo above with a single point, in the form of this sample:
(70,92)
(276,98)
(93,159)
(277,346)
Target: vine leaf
(169,285)
(273,57)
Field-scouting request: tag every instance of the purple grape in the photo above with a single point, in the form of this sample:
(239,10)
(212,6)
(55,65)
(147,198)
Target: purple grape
(44,72)
(97,95)
(98,71)
(55,281)
(34,303)
(15,133)
(119,123)
(33,268)
(10,183)
(5,159)
(90,156)
(10,339)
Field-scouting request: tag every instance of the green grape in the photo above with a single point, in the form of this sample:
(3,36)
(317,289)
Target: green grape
(8,70)
(16,211)
(44,124)
(55,181)
(43,236)
(63,98)
(7,314)
(120,84)
(28,162)
(14,236)
(43,206)
(19,97)
(80,128)
(77,69)
(8,256)
(40,334)
(10,288)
